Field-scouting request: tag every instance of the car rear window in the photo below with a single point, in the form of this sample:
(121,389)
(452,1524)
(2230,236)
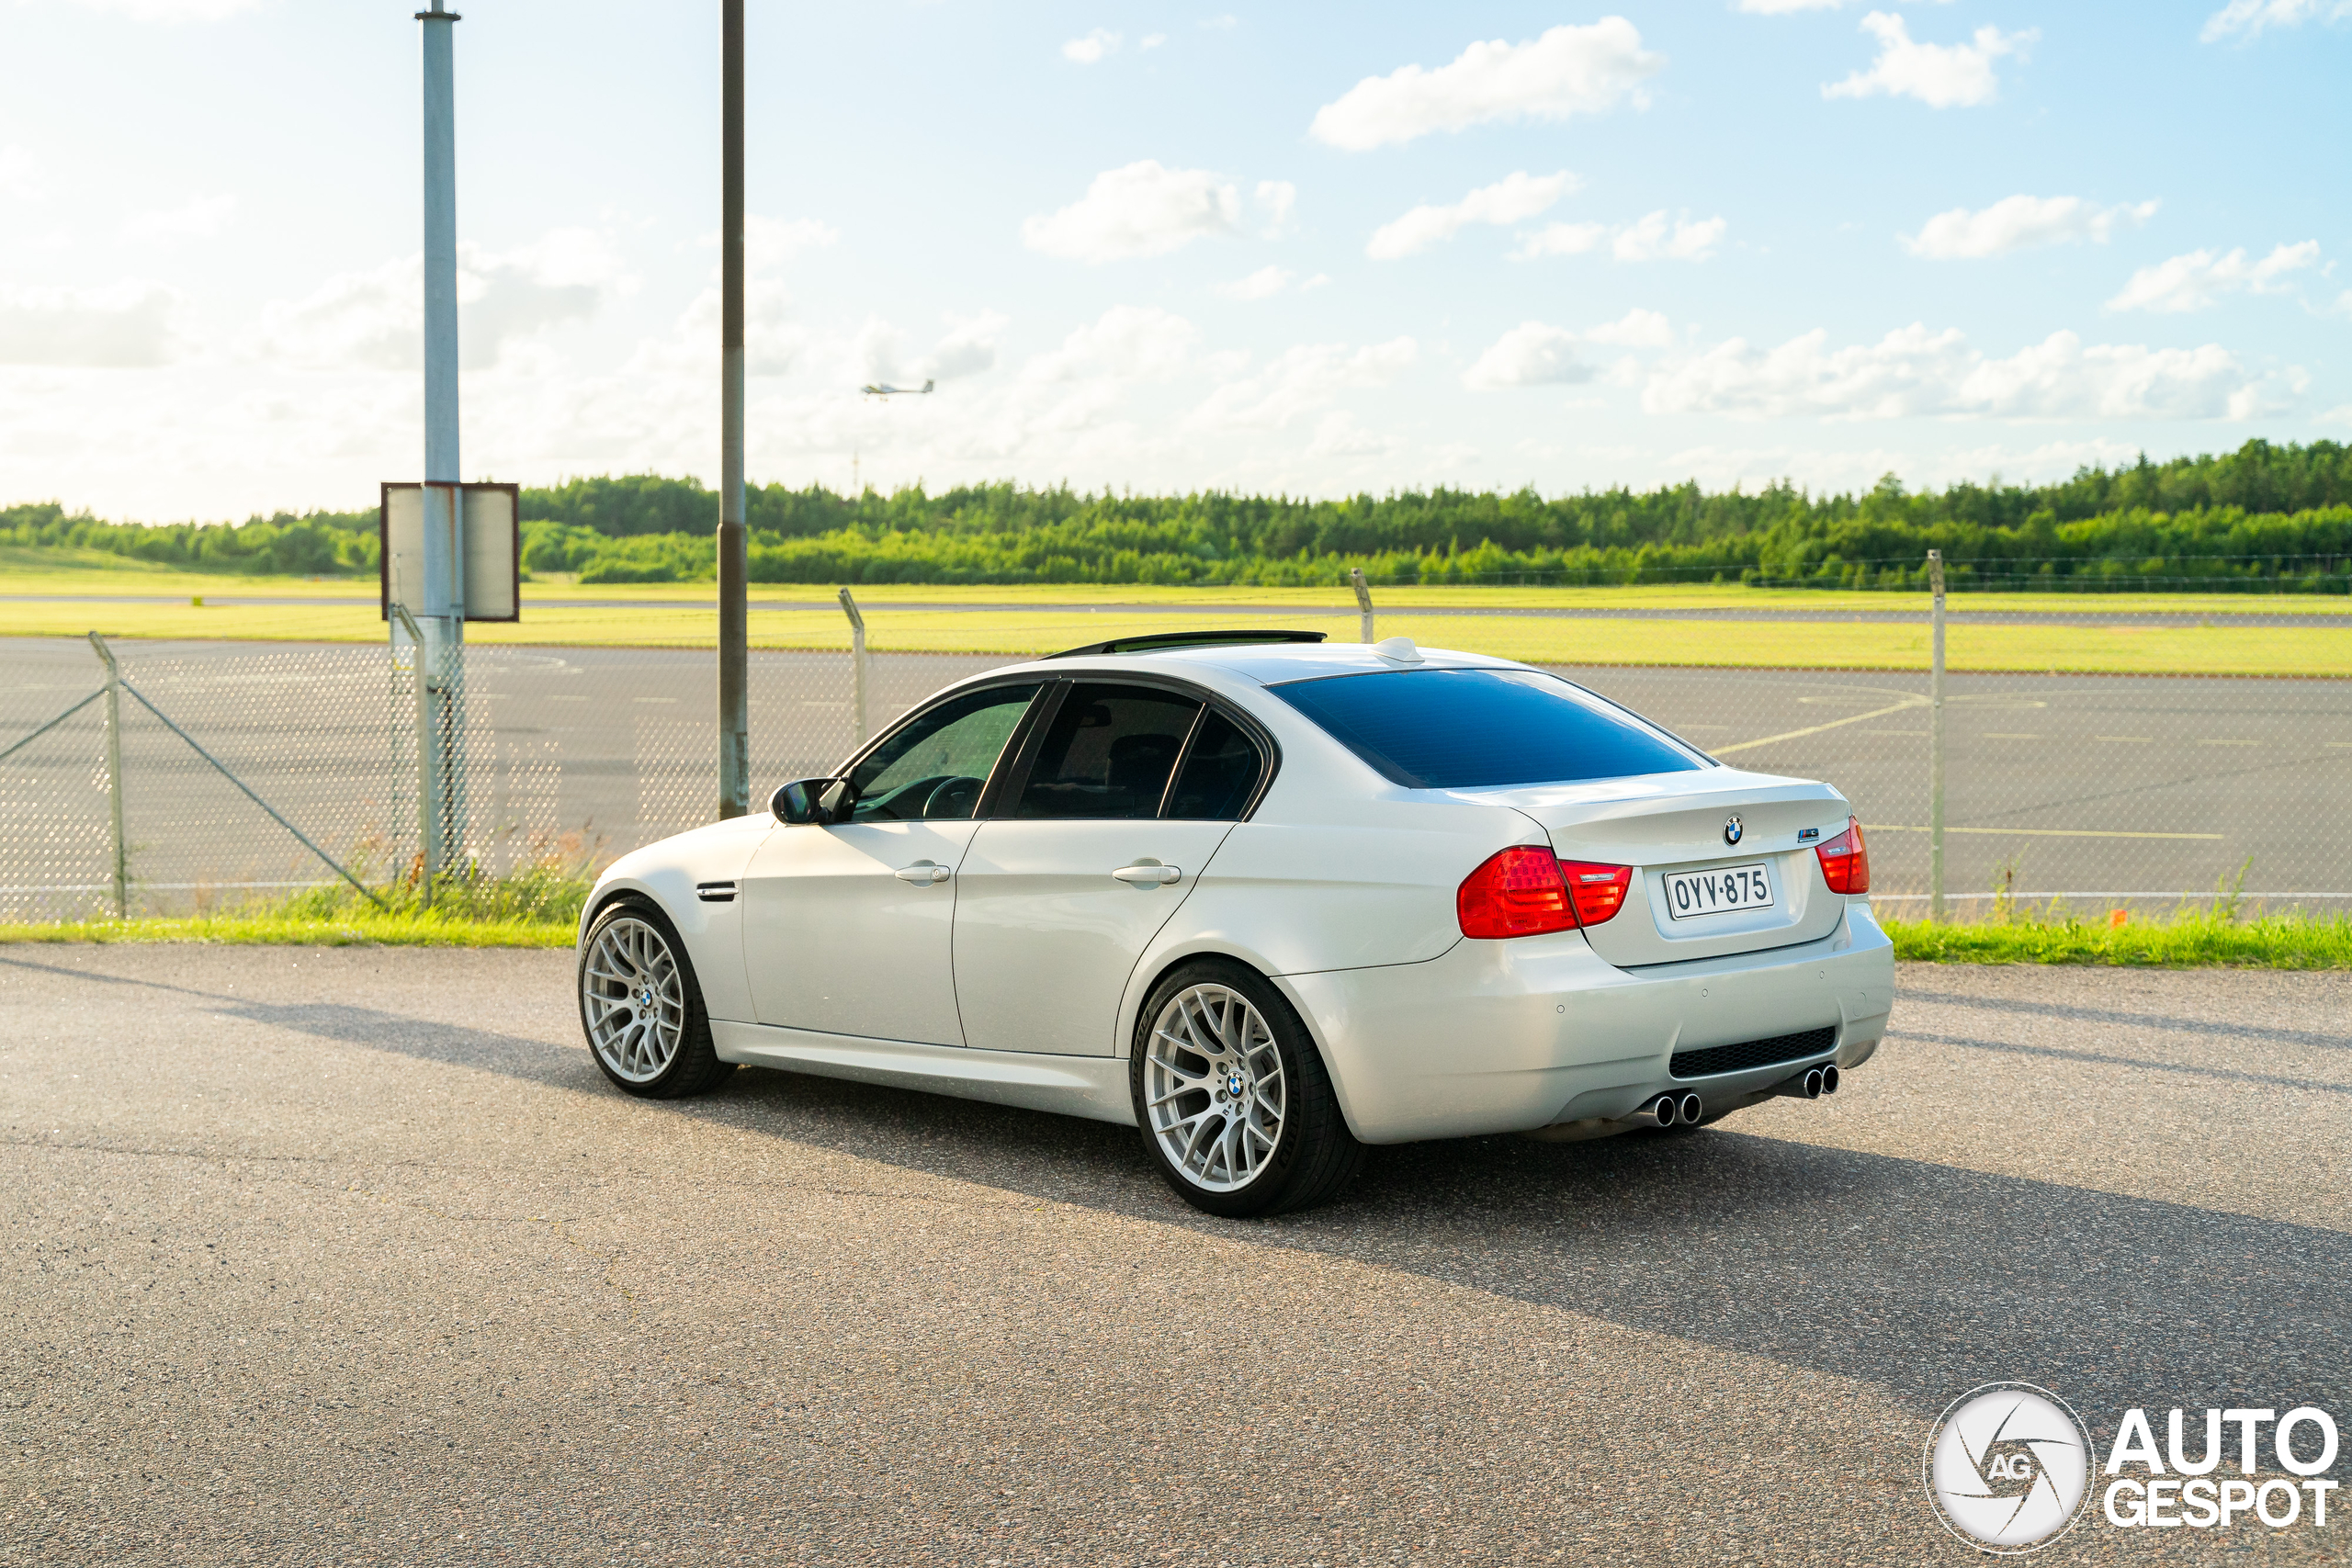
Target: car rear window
(1481,729)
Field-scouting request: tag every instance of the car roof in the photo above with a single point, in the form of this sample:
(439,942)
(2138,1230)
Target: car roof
(1267,664)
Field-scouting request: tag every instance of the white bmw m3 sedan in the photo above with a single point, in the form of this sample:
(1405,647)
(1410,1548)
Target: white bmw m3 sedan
(1268,900)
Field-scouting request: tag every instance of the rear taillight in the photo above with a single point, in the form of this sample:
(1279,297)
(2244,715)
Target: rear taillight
(1515,892)
(1845,861)
(1526,891)
(1597,891)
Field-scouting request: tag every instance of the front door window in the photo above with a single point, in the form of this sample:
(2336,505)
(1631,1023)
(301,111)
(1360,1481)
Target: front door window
(935,768)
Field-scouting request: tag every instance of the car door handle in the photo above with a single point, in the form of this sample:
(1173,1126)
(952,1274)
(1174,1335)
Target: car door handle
(1153,875)
(926,871)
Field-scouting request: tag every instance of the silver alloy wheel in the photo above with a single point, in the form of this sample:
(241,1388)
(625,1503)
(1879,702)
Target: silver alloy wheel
(635,1000)
(1214,1088)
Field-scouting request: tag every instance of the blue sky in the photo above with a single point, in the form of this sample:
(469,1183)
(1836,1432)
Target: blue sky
(1318,248)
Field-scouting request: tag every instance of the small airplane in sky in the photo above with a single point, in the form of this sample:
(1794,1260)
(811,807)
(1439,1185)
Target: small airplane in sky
(883,390)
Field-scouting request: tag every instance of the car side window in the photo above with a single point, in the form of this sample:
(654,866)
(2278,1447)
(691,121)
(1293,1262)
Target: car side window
(1219,772)
(937,766)
(1108,753)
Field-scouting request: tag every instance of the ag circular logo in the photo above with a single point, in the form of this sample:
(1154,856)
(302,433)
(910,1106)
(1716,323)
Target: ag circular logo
(2008,1468)
(1732,830)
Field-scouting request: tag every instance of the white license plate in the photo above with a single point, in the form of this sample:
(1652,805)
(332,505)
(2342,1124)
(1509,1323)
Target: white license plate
(1689,894)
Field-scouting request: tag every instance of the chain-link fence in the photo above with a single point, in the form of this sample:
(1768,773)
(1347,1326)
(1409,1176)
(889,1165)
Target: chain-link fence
(2103,790)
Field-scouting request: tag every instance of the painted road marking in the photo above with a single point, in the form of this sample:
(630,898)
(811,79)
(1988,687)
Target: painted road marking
(1833,724)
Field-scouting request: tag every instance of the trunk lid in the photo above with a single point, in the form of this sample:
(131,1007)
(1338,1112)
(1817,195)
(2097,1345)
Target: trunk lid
(1669,827)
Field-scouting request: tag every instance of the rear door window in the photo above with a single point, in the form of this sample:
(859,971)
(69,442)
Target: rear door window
(1108,753)
(1219,773)
(1484,728)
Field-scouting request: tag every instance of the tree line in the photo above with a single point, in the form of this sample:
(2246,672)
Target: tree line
(2267,517)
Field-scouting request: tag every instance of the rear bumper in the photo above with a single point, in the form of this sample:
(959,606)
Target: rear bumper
(1510,1036)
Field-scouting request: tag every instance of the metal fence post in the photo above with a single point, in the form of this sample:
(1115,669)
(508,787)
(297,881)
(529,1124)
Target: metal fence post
(428,814)
(114,777)
(856,666)
(1363,604)
(1936,741)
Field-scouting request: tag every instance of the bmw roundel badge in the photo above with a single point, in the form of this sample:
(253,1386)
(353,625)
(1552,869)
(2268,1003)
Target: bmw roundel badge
(1732,830)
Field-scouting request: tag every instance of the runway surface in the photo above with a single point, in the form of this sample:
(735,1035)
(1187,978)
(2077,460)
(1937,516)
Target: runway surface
(2115,788)
(352,1256)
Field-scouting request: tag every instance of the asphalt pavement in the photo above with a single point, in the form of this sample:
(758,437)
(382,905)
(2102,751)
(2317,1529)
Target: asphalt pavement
(351,1257)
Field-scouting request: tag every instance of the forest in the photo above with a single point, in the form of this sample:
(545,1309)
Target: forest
(2263,518)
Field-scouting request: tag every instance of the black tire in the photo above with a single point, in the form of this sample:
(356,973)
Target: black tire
(692,1067)
(1313,1154)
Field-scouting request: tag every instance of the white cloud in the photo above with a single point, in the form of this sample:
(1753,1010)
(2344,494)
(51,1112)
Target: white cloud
(1940,75)
(1262,284)
(968,347)
(2018,222)
(1913,373)
(173,10)
(2251,17)
(1087,50)
(2200,278)
(1338,435)
(772,241)
(1277,199)
(1152,40)
(1653,238)
(1127,343)
(1300,381)
(1143,209)
(1568,71)
(123,325)
(374,320)
(198,218)
(20,174)
(1508,200)
(1530,354)
(1561,240)
(1634,329)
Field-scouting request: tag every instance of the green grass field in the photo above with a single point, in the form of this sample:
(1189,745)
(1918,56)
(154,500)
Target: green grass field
(538,905)
(68,600)
(2284,941)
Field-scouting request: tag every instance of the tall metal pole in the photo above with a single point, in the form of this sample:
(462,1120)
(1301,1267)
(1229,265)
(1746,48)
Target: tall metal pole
(1363,604)
(857,667)
(734,671)
(441,661)
(114,777)
(1936,742)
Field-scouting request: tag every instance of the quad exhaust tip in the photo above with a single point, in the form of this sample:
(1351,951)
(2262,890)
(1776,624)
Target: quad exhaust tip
(1811,1084)
(1666,1111)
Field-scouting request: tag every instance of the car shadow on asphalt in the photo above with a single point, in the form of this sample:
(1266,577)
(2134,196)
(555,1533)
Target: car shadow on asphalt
(1926,1278)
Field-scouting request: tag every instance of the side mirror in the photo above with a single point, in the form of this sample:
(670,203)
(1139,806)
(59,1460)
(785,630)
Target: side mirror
(801,802)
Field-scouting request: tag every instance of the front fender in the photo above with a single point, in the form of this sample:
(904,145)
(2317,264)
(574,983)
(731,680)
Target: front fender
(675,874)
